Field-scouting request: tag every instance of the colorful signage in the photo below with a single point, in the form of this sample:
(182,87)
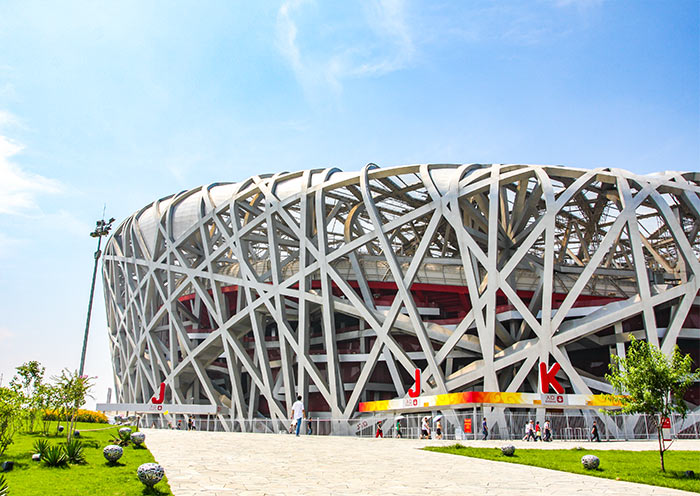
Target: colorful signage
(666,428)
(467,426)
(161,395)
(414,392)
(547,378)
(470,398)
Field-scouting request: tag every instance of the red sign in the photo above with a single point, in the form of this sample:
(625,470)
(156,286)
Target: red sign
(547,378)
(467,426)
(415,391)
(666,428)
(158,400)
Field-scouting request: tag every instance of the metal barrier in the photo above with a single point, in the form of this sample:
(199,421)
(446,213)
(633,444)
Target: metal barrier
(502,425)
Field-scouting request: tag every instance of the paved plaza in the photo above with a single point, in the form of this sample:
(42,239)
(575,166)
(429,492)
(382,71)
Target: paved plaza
(242,464)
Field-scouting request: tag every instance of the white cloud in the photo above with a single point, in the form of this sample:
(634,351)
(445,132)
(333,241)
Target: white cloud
(389,48)
(20,189)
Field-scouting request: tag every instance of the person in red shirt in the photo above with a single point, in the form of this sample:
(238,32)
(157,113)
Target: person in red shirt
(380,432)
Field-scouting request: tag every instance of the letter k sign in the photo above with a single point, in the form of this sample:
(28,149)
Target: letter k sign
(547,378)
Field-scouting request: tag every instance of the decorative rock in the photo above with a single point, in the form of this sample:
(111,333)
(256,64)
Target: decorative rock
(8,465)
(36,457)
(125,432)
(508,450)
(150,474)
(113,452)
(76,433)
(690,474)
(138,438)
(591,462)
(60,428)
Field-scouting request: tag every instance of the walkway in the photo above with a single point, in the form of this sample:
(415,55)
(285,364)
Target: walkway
(225,464)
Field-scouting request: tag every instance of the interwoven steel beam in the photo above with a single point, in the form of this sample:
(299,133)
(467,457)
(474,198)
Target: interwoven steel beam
(337,285)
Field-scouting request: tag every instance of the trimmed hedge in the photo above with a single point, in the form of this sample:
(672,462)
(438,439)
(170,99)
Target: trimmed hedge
(82,416)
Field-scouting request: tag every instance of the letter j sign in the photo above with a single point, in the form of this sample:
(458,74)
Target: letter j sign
(547,378)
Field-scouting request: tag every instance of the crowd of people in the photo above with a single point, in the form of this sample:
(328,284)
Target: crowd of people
(533,431)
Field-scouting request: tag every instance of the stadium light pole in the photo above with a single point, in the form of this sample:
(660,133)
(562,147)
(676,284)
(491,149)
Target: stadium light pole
(101,229)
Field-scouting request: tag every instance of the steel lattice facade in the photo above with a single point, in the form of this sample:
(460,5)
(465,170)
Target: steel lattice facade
(338,285)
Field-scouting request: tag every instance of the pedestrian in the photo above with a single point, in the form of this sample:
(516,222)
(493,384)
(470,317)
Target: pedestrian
(297,413)
(594,433)
(538,432)
(179,425)
(189,424)
(529,431)
(484,429)
(438,430)
(547,431)
(424,429)
(398,428)
(380,432)
(309,429)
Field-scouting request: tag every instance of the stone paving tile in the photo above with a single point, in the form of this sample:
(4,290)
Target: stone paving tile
(217,463)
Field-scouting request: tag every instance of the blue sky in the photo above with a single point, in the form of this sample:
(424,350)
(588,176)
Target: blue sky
(125,102)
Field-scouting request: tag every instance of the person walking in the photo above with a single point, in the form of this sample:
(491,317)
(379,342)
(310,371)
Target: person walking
(309,429)
(594,433)
(538,432)
(380,432)
(438,430)
(484,430)
(424,429)
(547,431)
(529,431)
(297,413)
(398,428)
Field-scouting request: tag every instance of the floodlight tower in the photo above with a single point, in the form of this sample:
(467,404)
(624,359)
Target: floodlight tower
(102,228)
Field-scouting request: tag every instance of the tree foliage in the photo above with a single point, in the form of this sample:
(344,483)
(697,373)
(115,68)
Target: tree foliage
(10,416)
(72,390)
(652,383)
(28,383)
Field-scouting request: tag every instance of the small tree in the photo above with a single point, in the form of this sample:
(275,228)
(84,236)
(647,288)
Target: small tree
(28,384)
(652,384)
(10,416)
(47,400)
(72,390)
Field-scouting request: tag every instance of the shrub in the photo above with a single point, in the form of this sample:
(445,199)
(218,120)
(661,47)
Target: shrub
(4,488)
(82,416)
(40,446)
(55,456)
(121,439)
(10,416)
(74,451)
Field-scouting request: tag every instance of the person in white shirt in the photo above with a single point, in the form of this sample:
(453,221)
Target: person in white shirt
(298,413)
(425,429)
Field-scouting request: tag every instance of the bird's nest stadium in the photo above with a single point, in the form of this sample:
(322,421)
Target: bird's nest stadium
(338,285)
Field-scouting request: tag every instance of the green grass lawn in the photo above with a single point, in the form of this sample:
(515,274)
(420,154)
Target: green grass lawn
(95,477)
(633,466)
